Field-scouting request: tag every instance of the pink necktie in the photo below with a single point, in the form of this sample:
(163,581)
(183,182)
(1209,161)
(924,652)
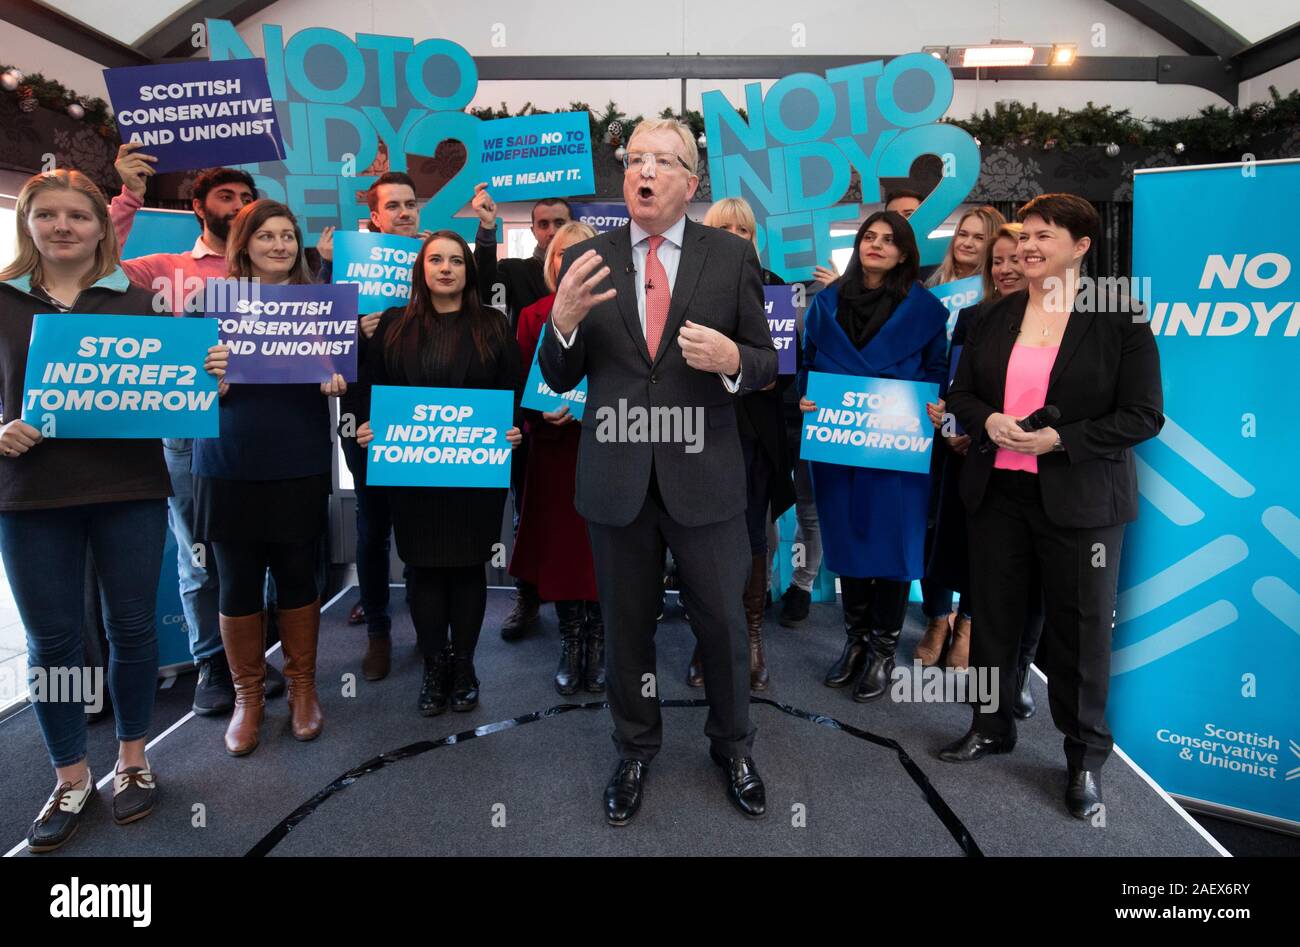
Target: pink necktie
(657,297)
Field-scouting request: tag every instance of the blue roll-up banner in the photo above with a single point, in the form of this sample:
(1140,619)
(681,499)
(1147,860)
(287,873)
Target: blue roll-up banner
(601,217)
(1207,641)
(197,114)
(285,334)
(868,422)
(98,375)
(782,323)
(379,264)
(957,295)
(536,156)
(439,437)
(539,396)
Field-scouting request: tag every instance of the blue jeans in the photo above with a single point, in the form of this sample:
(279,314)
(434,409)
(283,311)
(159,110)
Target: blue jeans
(198,584)
(374,524)
(44,555)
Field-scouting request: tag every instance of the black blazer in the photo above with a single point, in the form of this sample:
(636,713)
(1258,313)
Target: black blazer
(1106,383)
(718,285)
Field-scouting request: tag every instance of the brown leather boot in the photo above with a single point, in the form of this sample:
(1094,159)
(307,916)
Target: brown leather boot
(755,602)
(246,655)
(299,632)
(959,653)
(936,635)
(378,660)
(695,673)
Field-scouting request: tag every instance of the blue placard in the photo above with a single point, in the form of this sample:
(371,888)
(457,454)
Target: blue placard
(600,217)
(539,396)
(957,295)
(197,114)
(535,156)
(868,422)
(1203,691)
(782,322)
(285,334)
(379,264)
(439,437)
(97,375)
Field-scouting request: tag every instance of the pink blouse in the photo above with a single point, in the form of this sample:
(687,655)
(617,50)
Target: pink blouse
(1028,371)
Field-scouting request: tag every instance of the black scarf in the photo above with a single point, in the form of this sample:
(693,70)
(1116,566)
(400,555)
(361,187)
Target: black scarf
(862,312)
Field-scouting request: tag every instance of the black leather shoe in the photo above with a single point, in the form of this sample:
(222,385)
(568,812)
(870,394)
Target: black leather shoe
(846,670)
(435,688)
(794,607)
(214,694)
(975,746)
(523,618)
(274,681)
(1024,705)
(464,683)
(568,675)
(1083,793)
(624,792)
(744,785)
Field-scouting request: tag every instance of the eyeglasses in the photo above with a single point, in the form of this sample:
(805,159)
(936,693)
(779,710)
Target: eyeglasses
(635,160)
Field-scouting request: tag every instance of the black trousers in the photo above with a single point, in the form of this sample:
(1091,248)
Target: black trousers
(1012,543)
(713,565)
(447,598)
(241,572)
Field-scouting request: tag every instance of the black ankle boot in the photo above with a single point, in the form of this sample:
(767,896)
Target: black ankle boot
(435,688)
(875,679)
(593,662)
(464,683)
(568,675)
(1024,706)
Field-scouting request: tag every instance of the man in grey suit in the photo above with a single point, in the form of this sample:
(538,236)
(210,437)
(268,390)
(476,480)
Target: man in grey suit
(676,335)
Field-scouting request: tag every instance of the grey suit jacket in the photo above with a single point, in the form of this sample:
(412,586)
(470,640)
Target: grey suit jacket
(697,458)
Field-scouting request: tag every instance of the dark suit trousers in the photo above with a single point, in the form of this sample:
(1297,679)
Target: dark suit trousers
(713,565)
(1011,543)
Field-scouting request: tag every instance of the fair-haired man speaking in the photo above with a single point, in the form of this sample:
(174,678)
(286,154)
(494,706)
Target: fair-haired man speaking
(665,319)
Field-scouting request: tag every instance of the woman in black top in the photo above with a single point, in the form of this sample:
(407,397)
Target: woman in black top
(445,338)
(260,494)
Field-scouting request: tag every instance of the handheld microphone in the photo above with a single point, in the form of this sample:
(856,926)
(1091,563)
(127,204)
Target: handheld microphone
(1045,416)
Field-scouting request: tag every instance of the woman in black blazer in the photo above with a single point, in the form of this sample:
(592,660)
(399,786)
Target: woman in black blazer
(1052,501)
(445,337)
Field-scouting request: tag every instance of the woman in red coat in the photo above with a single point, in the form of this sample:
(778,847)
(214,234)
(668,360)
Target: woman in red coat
(552,550)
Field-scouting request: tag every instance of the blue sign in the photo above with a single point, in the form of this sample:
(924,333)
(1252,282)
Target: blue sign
(539,396)
(96,375)
(197,114)
(958,295)
(379,264)
(285,334)
(868,422)
(600,217)
(535,156)
(1207,642)
(439,437)
(792,154)
(341,98)
(781,321)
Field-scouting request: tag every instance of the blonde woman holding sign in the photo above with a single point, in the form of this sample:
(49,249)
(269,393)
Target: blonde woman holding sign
(60,497)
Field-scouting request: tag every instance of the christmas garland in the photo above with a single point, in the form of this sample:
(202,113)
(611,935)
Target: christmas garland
(35,90)
(1222,129)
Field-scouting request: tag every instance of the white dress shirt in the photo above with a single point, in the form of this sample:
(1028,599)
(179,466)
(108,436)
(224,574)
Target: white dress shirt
(670,255)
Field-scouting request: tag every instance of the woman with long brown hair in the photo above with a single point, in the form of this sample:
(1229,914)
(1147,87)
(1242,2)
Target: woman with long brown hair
(445,338)
(260,494)
(968,251)
(60,496)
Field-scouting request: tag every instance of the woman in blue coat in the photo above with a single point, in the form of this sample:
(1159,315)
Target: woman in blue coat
(876,321)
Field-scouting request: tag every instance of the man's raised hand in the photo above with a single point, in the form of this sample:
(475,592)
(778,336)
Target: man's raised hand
(576,295)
